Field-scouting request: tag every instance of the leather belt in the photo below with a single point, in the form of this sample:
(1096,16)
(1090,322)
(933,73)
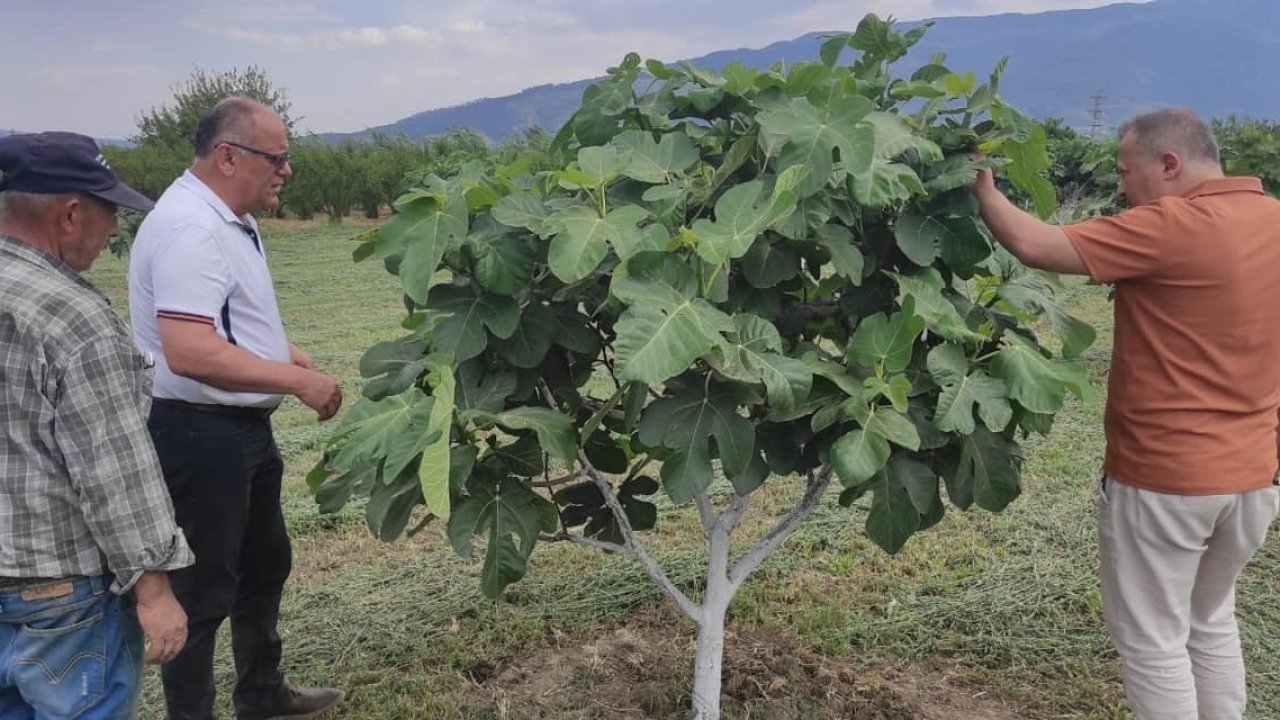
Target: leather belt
(240,412)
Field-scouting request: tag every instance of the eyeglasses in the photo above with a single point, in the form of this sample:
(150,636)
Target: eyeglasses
(278,160)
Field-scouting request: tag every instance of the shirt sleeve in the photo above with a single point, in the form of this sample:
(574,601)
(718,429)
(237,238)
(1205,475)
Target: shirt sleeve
(1130,245)
(100,429)
(190,278)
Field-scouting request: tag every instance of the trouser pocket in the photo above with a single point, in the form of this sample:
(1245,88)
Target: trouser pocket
(60,657)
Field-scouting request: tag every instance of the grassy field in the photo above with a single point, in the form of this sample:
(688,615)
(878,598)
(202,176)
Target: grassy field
(982,618)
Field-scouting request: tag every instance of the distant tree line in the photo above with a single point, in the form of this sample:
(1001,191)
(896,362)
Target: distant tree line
(1251,147)
(1084,169)
(334,180)
(367,177)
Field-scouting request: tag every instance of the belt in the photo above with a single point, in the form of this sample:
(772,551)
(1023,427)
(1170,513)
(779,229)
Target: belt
(8,584)
(240,412)
(14,584)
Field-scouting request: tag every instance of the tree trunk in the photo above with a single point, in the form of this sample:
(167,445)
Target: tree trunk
(722,583)
(708,664)
(709,661)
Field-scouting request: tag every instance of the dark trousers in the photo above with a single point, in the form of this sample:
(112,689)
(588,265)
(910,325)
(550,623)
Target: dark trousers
(224,474)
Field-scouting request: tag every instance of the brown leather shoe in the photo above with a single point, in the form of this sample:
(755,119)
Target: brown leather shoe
(294,704)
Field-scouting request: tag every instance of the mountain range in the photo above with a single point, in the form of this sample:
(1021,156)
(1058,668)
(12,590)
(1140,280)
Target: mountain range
(1092,68)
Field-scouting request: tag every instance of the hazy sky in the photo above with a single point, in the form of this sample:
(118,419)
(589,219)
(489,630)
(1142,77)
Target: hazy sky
(94,65)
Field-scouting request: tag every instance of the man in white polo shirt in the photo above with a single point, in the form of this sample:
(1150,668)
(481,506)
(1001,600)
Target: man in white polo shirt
(202,302)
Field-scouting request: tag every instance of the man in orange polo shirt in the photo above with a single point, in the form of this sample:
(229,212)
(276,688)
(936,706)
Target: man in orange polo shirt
(1189,485)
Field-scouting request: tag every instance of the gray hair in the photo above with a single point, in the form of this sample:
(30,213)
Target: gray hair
(1176,130)
(231,119)
(24,207)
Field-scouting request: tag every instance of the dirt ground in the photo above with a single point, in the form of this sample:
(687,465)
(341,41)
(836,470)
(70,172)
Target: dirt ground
(627,673)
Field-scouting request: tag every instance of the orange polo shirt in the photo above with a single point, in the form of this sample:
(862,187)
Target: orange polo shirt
(1194,389)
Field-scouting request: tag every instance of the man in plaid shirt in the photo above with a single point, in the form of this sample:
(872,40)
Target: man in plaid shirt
(87,531)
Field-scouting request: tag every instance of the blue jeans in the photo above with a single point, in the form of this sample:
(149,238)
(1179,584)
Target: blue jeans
(78,656)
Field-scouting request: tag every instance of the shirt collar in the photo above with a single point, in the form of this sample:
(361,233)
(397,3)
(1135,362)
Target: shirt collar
(197,186)
(20,250)
(1221,186)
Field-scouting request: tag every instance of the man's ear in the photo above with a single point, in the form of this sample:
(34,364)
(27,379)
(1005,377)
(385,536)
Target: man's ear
(224,158)
(1171,165)
(70,213)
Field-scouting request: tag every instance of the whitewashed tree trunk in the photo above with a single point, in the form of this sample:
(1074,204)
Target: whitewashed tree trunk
(723,579)
(709,661)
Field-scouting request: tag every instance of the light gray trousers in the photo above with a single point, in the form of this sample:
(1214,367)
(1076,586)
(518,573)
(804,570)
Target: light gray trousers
(1169,565)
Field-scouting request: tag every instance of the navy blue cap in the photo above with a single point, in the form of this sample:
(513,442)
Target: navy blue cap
(63,162)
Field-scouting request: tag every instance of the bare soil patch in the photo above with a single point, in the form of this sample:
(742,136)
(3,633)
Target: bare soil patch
(641,670)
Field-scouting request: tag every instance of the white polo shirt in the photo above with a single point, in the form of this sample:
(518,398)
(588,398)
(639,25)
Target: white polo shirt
(193,259)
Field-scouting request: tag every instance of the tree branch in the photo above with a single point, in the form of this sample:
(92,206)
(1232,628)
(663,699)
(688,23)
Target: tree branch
(636,469)
(733,514)
(547,395)
(642,556)
(555,482)
(815,487)
(706,513)
(586,542)
(630,541)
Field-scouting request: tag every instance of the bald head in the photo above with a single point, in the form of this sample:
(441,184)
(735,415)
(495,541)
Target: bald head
(232,119)
(1167,153)
(242,154)
(1173,130)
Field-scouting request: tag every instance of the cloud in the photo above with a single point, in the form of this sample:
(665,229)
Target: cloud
(361,37)
(99,99)
(465,27)
(844,14)
(349,78)
(73,75)
(378,37)
(268,13)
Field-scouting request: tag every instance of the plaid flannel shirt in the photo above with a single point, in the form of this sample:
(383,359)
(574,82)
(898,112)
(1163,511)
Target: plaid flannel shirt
(81,492)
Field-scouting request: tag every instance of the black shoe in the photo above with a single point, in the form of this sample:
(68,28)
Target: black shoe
(294,704)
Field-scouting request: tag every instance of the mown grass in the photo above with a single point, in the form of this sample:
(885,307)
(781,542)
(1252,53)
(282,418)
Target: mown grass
(1007,603)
